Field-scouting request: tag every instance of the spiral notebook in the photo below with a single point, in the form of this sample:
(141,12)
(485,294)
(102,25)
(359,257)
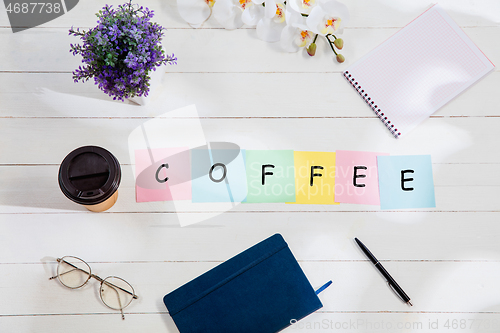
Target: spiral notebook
(417,70)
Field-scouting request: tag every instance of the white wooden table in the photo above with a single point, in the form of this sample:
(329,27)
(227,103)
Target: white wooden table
(250,93)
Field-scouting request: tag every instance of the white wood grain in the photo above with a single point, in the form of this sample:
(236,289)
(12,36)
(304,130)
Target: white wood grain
(227,51)
(318,322)
(312,236)
(253,94)
(454,140)
(242,95)
(433,286)
(394,13)
(438,292)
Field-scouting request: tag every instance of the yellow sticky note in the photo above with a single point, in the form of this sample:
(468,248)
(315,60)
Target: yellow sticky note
(315,177)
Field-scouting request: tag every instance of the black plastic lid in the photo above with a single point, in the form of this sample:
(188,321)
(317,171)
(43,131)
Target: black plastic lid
(89,175)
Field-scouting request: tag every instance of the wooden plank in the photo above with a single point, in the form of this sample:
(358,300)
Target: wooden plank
(312,236)
(318,322)
(451,140)
(445,258)
(47,50)
(357,287)
(83,323)
(217,95)
(364,13)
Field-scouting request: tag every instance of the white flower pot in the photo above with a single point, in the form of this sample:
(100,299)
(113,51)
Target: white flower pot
(155,82)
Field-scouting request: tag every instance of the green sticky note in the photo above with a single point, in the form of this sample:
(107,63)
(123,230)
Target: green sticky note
(270,176)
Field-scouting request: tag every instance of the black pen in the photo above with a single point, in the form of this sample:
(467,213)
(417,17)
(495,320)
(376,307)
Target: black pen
(397,289)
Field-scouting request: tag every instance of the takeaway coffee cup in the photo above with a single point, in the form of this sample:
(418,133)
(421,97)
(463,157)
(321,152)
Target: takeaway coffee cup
(90,176)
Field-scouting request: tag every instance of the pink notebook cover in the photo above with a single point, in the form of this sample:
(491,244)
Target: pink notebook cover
(417,70)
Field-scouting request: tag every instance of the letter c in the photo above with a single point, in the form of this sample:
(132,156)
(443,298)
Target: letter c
(158,171)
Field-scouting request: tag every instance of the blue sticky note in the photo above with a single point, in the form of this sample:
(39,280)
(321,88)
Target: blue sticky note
(405,182)
(218,175)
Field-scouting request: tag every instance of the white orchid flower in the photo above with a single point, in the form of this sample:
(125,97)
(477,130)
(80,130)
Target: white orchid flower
(270,26)
(296,34)
(328,17)
(195,12)
(302,6)
(232,14)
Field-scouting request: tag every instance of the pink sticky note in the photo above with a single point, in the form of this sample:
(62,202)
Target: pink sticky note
(163,174)
(356,177)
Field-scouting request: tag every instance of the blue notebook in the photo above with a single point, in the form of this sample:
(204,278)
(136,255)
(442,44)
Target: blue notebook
(262,289)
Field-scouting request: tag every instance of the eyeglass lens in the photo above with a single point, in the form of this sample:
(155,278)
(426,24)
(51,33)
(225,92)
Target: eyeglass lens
(116,293)
(73,272)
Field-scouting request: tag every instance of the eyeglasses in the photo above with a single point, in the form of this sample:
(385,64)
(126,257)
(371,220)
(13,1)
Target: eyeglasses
(115,292)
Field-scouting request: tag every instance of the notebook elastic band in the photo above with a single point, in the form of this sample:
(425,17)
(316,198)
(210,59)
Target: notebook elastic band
(371,103)
(323,287)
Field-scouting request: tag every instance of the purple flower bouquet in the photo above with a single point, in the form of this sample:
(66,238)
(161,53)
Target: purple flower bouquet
(121,51)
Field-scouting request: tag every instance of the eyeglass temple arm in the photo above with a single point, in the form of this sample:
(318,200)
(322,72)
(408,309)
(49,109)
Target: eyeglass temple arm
(117,296)
(70,264)
(109,284)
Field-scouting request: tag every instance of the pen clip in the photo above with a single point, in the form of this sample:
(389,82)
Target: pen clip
(394,290)
(400,297)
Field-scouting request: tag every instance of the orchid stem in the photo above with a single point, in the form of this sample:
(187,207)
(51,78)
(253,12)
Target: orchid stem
(330,35)
(315,37)
(330,42)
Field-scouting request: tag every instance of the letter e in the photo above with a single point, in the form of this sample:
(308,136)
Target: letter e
(403,180)
(355,176)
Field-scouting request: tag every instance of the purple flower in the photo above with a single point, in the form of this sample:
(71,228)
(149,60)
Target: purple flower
(121,50)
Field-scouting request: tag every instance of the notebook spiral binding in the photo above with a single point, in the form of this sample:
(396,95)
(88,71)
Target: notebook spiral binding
(372,105)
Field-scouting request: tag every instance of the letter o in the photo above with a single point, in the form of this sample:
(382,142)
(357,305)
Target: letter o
(223,174)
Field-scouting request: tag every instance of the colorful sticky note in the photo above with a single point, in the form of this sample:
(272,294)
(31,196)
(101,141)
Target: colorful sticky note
(163,174)
(406,182)
(218,175)
(270,176)
(315,177)
(357,177)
